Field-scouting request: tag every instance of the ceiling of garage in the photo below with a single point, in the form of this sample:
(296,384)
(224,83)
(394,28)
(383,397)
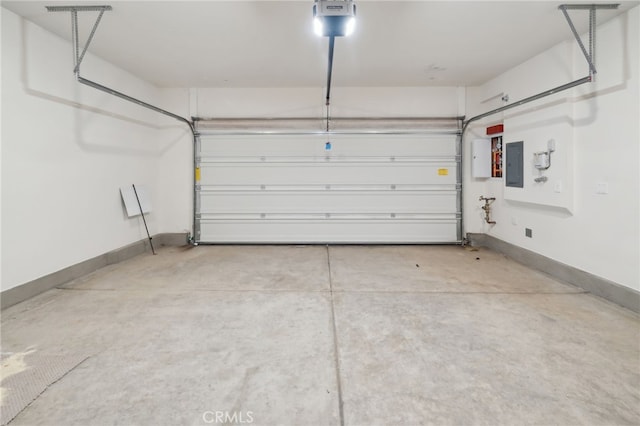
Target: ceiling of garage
(271,43)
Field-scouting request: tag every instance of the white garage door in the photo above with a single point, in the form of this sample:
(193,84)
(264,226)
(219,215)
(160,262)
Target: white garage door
(295,188)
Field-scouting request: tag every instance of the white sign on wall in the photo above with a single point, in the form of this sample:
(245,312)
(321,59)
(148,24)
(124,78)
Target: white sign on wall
(130,201)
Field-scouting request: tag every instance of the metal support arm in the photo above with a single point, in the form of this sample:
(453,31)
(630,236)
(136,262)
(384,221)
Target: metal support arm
(541,95)
(78,57)
(589,56)
(121,95)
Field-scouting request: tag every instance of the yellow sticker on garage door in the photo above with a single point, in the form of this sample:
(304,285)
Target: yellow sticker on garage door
(197,174)
(443,172)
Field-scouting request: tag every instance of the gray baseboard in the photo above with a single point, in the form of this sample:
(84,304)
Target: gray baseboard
(598,286)
(33,288)
(172,240)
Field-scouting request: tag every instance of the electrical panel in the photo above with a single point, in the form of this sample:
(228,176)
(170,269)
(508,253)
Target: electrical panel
(515,164)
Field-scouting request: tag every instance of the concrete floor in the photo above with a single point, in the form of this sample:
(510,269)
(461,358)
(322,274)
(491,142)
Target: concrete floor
(313,335)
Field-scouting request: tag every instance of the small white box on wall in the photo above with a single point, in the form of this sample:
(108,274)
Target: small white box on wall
(481,158)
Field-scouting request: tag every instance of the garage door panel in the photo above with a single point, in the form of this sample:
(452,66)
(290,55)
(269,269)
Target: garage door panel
(333,231)
(327,202)
(330,174)
(315,145)
(367,188)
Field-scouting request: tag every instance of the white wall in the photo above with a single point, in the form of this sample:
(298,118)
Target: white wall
(67,149)
(174,200)
(596,130)
(1,9)
(345,102)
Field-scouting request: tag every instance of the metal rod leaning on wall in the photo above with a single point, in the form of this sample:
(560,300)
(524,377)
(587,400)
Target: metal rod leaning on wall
(135,191)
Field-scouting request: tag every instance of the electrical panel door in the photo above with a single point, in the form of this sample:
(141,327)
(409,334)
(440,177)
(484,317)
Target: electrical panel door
(515,164)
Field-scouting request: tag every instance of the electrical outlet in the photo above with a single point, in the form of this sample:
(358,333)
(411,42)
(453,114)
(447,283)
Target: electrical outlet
(528,232)
(558,186)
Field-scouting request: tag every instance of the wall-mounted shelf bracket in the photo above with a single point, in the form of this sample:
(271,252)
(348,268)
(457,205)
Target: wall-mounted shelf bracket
(588,55)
